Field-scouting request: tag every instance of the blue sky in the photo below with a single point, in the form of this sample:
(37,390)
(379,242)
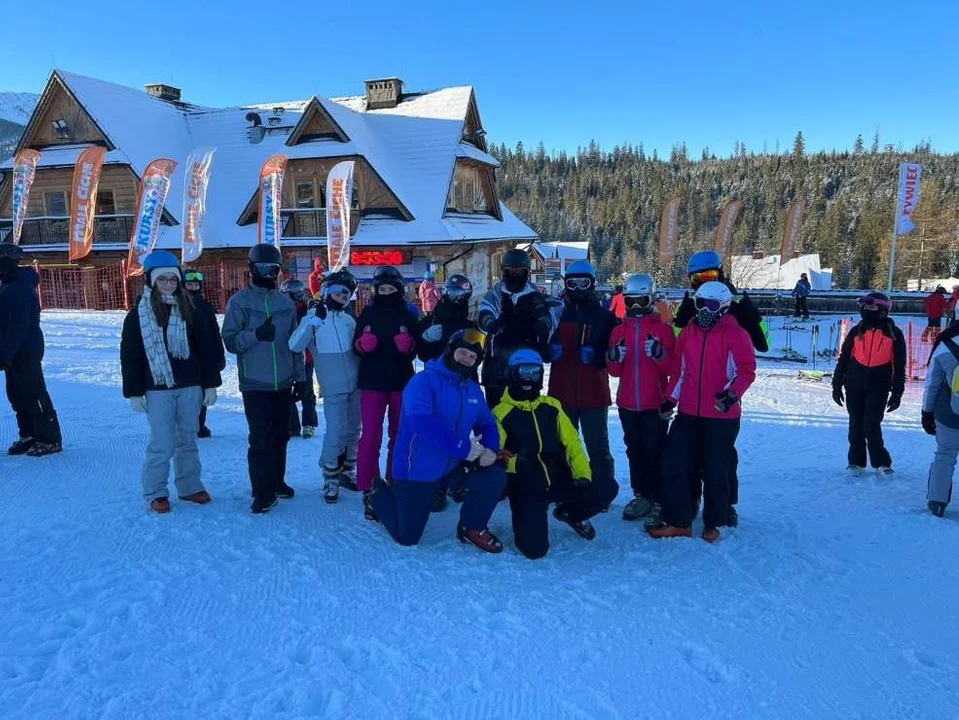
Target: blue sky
(708,73)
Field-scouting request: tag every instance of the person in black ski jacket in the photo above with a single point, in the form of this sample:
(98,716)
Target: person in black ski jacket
(514,315)
(21,357)
(193,284)
(872,371)
(450,315)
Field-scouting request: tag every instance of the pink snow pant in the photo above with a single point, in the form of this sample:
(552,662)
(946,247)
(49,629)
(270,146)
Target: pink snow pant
(373,406)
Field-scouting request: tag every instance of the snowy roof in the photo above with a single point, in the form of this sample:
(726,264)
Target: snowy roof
(412,147)
(564,249)
(765,274)
(66,156)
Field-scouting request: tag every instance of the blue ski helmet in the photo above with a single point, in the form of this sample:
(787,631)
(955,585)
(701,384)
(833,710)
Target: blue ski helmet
(159,259)
(525,366)
(580,268)
(704,260)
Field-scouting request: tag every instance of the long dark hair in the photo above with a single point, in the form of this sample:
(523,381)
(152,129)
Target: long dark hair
(161,311)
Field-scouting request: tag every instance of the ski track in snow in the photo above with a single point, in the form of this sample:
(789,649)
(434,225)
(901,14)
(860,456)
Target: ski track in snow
(834,597)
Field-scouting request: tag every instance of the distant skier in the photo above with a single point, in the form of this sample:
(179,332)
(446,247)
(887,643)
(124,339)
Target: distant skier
(872,371)
(617,304)
(193,284)
(303,390)
(714,364)
(170,359)
(937,306)
(450,315)
(21,358)
(640,353)
(429,293)
(801,293)
(940,417)
(315,281)
(257,327)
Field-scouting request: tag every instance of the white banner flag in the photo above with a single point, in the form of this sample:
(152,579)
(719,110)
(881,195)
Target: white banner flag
(195,182)
(910,181)
(339,197)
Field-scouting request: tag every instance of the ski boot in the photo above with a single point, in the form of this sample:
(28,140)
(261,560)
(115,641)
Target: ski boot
(638,507)
(885,471)
(263,505)
(937,508)
(204,432)
(21,446)
(347,479)
(308,432)
(40,449)
(368,511)
(583,528)
(483,539)
(732,517)
(439,504)
(200,498)
(855,470)
(655,516)
(284,491)
(710,535)
(668,531)
(160,505)
(331,490)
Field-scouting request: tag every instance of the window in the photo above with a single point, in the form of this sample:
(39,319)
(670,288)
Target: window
(467,194)
(61,129)
(105,203)
(55,203)
(304,195)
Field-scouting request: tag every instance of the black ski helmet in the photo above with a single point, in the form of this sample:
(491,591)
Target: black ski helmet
(296,289)
(388,275)
(516,258)
(469,339)
(342,278)
(458,289)
(516,267)
(263,255)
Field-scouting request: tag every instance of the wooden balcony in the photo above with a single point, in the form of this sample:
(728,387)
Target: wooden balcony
(51,231)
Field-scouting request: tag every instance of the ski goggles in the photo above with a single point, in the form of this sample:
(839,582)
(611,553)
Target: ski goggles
(527,373)
(458,293)
(470,337)
(639,301)
(338,290)
(579,283)
(711,304)
(703,276)
(268,270)
(193,276)
(872,303)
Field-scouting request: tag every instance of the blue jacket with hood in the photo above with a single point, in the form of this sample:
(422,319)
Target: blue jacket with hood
(441,409)
(20,314)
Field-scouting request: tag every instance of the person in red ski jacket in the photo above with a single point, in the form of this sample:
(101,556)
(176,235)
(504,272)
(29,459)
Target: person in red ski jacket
(617,305)
(429,293)
(579,379)
(639,354)
(937,305)
(713,365)
(315,281)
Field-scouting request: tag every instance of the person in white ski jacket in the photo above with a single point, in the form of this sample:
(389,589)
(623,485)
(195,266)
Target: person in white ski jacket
(327,331)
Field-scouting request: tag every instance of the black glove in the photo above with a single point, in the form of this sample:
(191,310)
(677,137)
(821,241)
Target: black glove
(895,400)
(837,396)
(725,400)
(266,332)
(666,409)
(542,327)
(581,482)
(494,325)
(321,311)
(929,423)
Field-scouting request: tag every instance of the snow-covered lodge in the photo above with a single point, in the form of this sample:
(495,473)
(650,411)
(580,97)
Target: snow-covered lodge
(425,185)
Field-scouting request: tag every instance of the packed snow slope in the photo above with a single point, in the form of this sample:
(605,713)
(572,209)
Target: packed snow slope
(835,597)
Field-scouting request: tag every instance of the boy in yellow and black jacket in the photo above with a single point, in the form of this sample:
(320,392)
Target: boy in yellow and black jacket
(545,461)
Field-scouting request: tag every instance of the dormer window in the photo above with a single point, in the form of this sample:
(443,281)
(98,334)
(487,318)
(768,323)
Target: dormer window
(61,129)
(468,192)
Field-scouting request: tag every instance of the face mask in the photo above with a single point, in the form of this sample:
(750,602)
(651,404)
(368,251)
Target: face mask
(515,279)
(264,282)
(392,300)
(706,318)
(517,392)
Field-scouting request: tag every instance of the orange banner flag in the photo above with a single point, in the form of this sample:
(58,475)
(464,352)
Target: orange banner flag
(791,231)
(669,230)
(269,229)
(83,201)
(154,186)
(727,223)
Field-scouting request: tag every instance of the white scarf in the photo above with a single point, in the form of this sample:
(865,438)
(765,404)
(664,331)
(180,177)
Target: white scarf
(158,349)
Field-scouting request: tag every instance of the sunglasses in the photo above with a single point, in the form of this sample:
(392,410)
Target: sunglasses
(528,373)
(640,301)
(194,277)
(579,283)
(709,304)
(168,279)
(266,269)
(703,276)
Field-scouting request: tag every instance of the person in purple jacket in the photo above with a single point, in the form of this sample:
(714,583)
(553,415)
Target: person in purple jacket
(442,407)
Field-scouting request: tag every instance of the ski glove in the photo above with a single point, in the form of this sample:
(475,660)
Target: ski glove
(616,354)
(476,449)
(654,349)
(367,342)
(555,352)
(138,403)
(209,397)
(404,341)
(487,457)
(587,355)
(433,334)
(837,395)
(725,400)
(319,315)
(492,326)
(895,400)
(266,332)
(929,422)
(666,409)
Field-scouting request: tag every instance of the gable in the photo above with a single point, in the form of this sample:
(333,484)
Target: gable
(60,119)
(473,131)
(316,123)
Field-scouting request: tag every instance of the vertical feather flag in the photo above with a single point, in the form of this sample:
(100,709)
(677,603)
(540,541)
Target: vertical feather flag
(154,186)
(791,231)
(83,201)
(727,223)
(669,230)
(910,184)
(195,183)
(269,228)
(24,171)
(339,197)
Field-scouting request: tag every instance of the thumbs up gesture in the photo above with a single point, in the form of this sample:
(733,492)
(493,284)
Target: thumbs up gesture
(367,342)
(617,353)
(266,332)
(404,341)
(654,348)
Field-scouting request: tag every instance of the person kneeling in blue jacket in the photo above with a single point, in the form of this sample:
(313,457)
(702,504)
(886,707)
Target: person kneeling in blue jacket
(442,406)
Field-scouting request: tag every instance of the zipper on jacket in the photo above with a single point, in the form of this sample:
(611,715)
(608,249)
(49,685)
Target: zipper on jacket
(636,365)
(702,358)
(269,314)
(539,438)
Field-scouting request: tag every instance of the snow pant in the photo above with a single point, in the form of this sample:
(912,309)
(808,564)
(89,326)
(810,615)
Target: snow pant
(943,464)
(645,435)
(403,507)
(373,407)
(866,409)
(341,415)
(28,396)
(696,481)
(801,309)
(308,395)
(595,424)
(707,444)
(173,416)
(202,421)
(529,504)
(267,416)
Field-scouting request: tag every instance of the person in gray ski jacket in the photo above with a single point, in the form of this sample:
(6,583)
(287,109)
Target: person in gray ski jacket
(939,417)
(257,328)
(327,332)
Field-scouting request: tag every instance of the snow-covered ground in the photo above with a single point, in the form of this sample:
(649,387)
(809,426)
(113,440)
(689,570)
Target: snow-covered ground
(835,597)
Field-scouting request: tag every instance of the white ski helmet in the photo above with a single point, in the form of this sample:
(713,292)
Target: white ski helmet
(713,296)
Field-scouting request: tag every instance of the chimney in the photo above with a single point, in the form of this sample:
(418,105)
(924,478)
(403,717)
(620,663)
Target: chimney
(383,93)
(164,92)
(758,255)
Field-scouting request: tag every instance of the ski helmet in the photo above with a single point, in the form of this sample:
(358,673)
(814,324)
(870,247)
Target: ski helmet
(265,261)
(340,279)
(639,294)
(160,262)
(296,289)
(580,280)
(525,370)
(713,300)
(875,302)
(458,289)
(516,268)
(9,251)
(704,266)
(516,258)
(468,339)
(388,275)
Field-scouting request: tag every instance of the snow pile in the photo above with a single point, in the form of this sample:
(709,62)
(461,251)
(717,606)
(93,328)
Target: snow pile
(835,597)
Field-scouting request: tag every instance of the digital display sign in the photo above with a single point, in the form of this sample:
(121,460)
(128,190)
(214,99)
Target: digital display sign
(387,256)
